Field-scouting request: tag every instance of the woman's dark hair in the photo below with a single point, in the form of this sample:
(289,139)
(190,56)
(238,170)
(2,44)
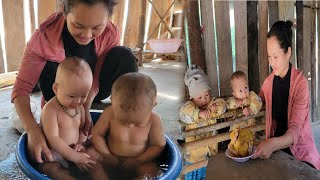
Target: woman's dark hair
(69,4)
(282,31)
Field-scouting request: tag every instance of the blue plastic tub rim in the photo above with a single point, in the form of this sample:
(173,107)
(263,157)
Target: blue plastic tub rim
(175,162)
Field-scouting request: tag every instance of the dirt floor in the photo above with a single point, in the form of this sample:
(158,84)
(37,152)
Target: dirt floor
(168,77)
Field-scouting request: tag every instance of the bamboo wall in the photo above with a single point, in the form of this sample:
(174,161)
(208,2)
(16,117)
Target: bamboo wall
(250,30)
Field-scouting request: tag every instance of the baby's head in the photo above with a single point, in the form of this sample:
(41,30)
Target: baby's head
(239,85)
(73,82)
(198,86)
(133,97)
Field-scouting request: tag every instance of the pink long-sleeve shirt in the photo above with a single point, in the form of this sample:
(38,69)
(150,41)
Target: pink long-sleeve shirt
(299,127)
(46,45)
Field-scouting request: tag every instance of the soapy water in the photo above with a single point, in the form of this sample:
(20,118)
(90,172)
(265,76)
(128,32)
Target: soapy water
(10,170)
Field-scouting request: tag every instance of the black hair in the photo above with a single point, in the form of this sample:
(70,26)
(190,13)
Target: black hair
(69,4)
(282,31)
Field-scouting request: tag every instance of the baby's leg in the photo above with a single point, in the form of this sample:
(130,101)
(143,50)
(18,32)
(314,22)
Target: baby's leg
(148,169)
(55,171)
(97,172)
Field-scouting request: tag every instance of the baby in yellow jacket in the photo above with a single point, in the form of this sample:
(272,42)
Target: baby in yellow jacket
(249,101)
(201,110)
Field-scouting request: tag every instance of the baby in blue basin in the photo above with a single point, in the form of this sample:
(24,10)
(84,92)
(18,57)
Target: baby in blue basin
(128,134)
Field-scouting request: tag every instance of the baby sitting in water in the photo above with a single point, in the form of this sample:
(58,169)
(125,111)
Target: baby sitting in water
(129,135)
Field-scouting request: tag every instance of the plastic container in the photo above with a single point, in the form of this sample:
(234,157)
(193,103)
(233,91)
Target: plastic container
(198,174)
(164,45)
(171,157)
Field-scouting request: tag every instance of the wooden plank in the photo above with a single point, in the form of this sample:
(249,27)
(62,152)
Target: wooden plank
(299,10)
(314,110)
(318,65)
(45,9)
(224,46)
(216,139)
(155,20)
(14,32)
(132,26)
(163,31)
(209,46)
(32,16)
(273,12)
(306,41)
(196,50)
(142,23)
(240,18)
(2,68)
(253,65)
(262,48)
(118,14)
(286,12)
(194,166)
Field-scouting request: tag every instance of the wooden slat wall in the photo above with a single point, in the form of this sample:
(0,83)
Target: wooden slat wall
(286,12)
(14,40)
(32,16)
(314,109)
(306,41)
(318,65)
(209,45)
(162,9)
(224,46)
(240,17)
(273,12)
(45,9)
(263,31)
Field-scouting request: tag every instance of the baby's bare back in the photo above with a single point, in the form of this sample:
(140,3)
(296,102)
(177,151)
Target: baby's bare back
(127,141)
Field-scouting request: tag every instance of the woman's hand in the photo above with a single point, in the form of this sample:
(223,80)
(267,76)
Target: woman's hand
(83,161)
(265,149)
(37,146)
(88,125)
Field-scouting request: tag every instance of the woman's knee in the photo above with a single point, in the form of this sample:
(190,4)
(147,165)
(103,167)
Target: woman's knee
(123,56)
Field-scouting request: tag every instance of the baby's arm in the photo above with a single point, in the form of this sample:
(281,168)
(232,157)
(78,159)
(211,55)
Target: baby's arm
(82,136)
(157,141)
(50,125)
(189,114)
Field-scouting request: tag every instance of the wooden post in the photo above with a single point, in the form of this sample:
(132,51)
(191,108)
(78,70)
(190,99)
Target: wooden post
(196,50)
(45,9)
(240,17)
(141,31)
(262,48)
(299,11)
(318,77)
(286,12)
(14,32)
(314,110)
(253,65)
(273,12)
(132,26)
(224,46)
(32,16)
(209,45)
(2,69)
(118,14)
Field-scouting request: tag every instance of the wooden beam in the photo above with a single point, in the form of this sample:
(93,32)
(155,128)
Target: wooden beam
(209,45)
(194,166)
(286,12)
(306,42)
(45,9)
(14,32)
(262,35)
(196,50)
(240,17)
(2,68)
(314,110)
(32,16)
(318,65)
(299,11)
(216,139)
(253,65)
(118,14)
(132,26)
(141,31)
(273,12)
(224,46)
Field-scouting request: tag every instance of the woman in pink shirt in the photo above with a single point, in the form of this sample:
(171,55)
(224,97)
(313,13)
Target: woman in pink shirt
(285,92)
(81,30)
